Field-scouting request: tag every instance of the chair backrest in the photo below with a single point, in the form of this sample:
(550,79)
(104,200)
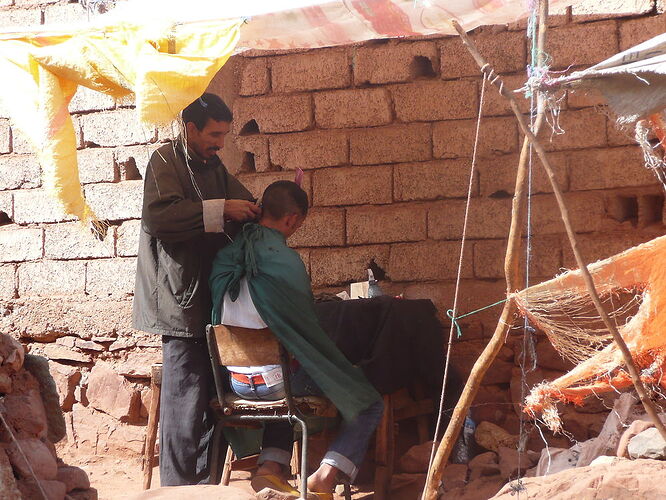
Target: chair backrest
(239,346)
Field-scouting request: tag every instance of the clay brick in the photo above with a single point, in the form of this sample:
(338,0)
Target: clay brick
(352,108)
(433,179)
(498,175)
(323,227)
(7,281)
(584,128)
(19,171)
(7,204)
(132,161)
(20,18)
(488,218)
(396,61)
(609,168)
(584,99)
(336,266)
(635,31)
(87,99)
(20,143)
(352,185)
(385,224)
(96,165)
(545,261)
(127,240)
(255,153)
(19,245)
(308,150)
(76,241)
(114,128)
(5,137)
(497,105)
(430,101)
(582,44)
(254,79)
(274,114)
(114,277)
(587,11)
(51,277)
(65,13)
(256,183)
(598,246)
(505,51)
(36,205)
(116,201)
(586,211)
(455,139)
(392,144)
(319,69)
(428,260)
(619,135)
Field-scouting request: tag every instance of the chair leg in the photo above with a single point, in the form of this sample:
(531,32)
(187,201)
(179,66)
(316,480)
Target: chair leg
(384,450)
(153,421)
(215,454)
(296,461)
(304,458)
(226,471)
(347,490)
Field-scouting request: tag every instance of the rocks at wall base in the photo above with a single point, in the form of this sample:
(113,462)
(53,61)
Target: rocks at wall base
(416,459)
(8,488)
(110,392)
(40,461)
(647,444)
(492,437)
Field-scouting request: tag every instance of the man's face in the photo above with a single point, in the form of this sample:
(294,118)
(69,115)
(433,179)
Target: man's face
(209,140)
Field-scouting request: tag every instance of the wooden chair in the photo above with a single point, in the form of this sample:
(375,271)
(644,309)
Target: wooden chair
(236,346)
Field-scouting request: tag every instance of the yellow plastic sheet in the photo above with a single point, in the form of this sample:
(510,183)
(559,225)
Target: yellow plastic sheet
(165,66)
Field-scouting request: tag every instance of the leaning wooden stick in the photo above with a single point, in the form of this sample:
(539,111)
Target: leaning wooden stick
(513,276)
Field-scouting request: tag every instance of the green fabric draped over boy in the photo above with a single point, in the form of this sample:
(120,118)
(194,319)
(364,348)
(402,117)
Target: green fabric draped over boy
(281,292)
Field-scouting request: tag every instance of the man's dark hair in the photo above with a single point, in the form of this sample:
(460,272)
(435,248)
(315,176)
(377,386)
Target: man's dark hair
(205,107)
(284,198)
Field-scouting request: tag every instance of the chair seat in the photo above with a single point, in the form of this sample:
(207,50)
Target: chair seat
(308,405)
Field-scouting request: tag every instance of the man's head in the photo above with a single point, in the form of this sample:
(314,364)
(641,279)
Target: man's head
(284,207)
(207,121)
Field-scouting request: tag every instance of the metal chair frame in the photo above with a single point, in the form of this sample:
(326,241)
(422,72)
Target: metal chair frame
(293,415)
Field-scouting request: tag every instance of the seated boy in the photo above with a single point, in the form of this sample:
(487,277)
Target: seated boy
(259,282)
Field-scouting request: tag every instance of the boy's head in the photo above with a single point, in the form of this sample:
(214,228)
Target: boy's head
(284,207)
(207,121)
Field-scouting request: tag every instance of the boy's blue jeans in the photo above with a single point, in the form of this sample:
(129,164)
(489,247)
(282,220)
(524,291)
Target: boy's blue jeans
(347,450)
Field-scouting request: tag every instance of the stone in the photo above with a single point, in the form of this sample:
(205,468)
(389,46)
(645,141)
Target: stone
(52,278)
(75,241)
(73,477)
(454,476)
(89,494)
(121,344)
(428,260)
(636,427)
(62,353)
(354,108)
(8,488)
(406,486)
(38,455)
(647,444)
(485,464)
(88,345)
(108,391)
(371,224)
(391,144)
(482,487)
(323,227)
(269,494)
(5,382)
(620,479)
(208,491)
(12,353)
(20,244)
(513,464)
(492,437)
(117,200)
(111,277)
(352,185)
(54,490)
(25,408)
(138,364)
(66,379)
(554,460)
(38,366)
(416,459)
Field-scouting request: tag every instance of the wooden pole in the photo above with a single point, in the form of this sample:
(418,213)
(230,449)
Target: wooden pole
(151,429)
(513,274)
(589,282)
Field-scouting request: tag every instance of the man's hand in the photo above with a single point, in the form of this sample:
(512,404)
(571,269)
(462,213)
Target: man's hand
(241,210)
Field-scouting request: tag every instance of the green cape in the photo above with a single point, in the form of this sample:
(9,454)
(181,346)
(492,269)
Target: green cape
(280,289)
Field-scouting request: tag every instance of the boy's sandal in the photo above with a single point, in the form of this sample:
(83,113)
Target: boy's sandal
(273,482)
(316,495)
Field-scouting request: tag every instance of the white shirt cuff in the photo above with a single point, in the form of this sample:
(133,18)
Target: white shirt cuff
(213,216)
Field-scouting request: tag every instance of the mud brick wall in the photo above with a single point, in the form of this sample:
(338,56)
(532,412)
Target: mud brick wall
(384,132)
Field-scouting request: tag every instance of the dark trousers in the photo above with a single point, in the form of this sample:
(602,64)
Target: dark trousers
(186,422)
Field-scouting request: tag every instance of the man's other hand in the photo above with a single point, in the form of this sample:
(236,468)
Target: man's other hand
(241,210)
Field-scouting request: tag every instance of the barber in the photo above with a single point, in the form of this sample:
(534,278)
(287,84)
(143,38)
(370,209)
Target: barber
(192,207)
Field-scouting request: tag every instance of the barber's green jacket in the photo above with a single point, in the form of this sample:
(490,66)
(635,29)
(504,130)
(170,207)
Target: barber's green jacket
(280,289)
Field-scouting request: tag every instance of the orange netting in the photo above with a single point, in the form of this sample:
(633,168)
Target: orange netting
(632,285)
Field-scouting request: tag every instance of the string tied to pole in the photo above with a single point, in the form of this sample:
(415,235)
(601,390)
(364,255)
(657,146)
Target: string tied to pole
(450,313)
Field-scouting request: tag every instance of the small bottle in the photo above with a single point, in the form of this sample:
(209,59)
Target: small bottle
(373,286)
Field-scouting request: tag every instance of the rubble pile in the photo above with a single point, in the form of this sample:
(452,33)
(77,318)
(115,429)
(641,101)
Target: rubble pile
(31,423)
